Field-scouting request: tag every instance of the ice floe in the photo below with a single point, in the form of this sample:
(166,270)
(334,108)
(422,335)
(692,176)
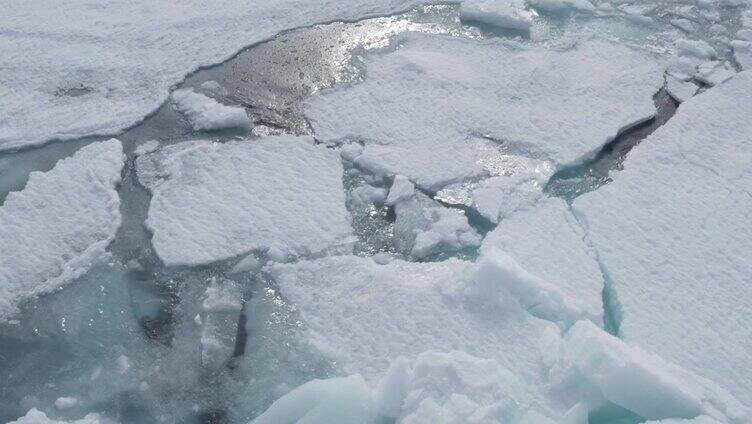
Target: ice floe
(673,235)
(213,201)
(422,108)
(205,113)
(80,70)
(511,14)
(59,225)
(35,416)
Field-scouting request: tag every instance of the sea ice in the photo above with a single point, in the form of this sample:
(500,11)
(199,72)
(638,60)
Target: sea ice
(558,6)
(714,72)
(695,48)
(405,309)
(499,13)
(213,201)
(80,70)
(634,379)
(205,113)
(423,107)
(220,311)
(547,243)
(59,224)
(680,90)
(672,234)
(743,53)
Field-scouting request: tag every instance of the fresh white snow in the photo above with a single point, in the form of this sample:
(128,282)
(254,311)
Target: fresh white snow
(59,225)
(214,201)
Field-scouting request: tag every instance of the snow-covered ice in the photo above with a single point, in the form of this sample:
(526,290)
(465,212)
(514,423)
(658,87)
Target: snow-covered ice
(743,53)
(673,235)
(35,416)
(680,90)
(80,70)
(422,107)
(59,225)
(213,201)
(205,113)
(405,309)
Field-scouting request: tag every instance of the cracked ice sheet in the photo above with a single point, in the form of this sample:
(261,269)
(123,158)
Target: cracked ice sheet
(366,315)
(78,69)
(420,107)
(214,201)
(548,242)
(59,225)
(672,231)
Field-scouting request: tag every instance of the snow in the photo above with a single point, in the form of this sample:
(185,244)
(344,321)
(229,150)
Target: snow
(672,233)
(535,102)
(509,14)
(214,201)
(714,72)
(405,309)
(59,225)
(248,264)
(634,379)
(545,246)
(365,195)
(35,416)
(558,6)
(80,70)
(205,113)
(65,402)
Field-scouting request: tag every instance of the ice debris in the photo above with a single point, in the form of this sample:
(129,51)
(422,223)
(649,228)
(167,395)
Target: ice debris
(510,14)
(206,114)
(35,416)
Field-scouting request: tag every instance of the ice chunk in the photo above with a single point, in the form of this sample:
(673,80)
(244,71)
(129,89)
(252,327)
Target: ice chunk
(147,147)
(402,189)
(499,13)
(346,400)
(543,250)
(535,102)
(212,89)
(714,72)
(59,224)
(558,6)
(205,113)
(215,201)
(423,227)
(636,380)
(101,70)
(221,311)
(35,416)
(248,264)
(743,53)
(404,309)
(365,195)
(702,419)
(65,402)
(673,235)
(695,48)
(680,90)
(683,24)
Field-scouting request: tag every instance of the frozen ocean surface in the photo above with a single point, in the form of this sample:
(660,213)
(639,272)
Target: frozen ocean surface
(479,211)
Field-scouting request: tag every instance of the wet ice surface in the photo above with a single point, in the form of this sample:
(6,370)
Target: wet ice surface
(478,297)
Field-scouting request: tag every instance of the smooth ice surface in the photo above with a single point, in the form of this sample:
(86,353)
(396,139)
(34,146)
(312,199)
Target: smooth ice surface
(422,107)
(205,113)
(345,400)
(672,231)
(547,242)
(509,14)
(679,90)
(213,201)
(404,309)
(81,70)
(59,224)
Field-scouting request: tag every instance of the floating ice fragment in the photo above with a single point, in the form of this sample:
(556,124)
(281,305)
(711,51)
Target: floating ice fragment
(499,13)
(212,89)
(220,314)
(683,24)
(147,147)
(59,225)
(366,195)
(743,52)
(34,416)
(680,90)
(695,48)
(250,263)
(205,113)
(714,72)
(216,201)
(65,402)
(558,6)
(402,189)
